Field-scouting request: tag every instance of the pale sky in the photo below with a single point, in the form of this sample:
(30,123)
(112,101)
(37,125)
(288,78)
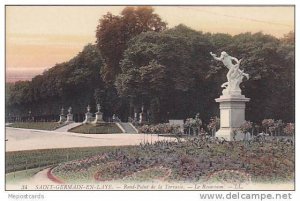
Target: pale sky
(38,37)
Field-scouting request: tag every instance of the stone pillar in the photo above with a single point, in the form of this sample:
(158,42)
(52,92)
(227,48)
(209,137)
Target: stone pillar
(69,116)
(232,116)
(142,116)
(62,117)
(99,118)
(88,116)
(135,119)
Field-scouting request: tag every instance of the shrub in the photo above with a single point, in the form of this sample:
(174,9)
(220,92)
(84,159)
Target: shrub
(193,124)
(289,129)
(213,125)
(267,123)
(246,127)
(160,129)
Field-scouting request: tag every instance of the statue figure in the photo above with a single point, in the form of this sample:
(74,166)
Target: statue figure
(62,117)
(62,111)
(70,110)
(69,115)
(88,115)
(135,117)
(98,115)
(234,76)
(98,107)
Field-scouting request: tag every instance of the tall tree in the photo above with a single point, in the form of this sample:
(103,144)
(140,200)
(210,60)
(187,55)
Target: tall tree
(163,72)
(113,33)
(187,80)
(71,83)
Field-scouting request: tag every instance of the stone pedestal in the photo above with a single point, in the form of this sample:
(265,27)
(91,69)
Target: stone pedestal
(88,118)
(135,119)
(62,118)
(69,118)
(232,116)
(99,118)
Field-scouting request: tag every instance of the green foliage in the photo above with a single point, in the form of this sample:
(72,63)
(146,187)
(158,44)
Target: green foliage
(19,92)
(214,123)
(268,125)
(271,75)
(247,126)
(71,83)
(181,68)
(157,66)
(289,129)
(160,129)
(113,32)
(194,125)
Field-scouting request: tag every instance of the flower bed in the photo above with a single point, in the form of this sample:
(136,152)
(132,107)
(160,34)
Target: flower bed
(155,173)
(229,176)
(190,160)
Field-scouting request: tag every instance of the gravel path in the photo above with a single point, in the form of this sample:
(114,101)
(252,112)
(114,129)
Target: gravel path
(67,127)
(41,178)
(29,139)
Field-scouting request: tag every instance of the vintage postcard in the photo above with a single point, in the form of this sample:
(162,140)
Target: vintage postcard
(151,98)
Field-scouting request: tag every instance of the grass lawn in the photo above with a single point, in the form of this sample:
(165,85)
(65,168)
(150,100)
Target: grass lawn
(103,128)
(18,176)
(19,160)
(36,125)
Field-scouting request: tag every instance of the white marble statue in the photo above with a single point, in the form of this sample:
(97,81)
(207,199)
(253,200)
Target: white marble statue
(98,115)
(69,116)
(234,76)
(62,117)
(88,115)
(98,107)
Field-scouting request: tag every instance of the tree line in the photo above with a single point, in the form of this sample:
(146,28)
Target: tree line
(138,62)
